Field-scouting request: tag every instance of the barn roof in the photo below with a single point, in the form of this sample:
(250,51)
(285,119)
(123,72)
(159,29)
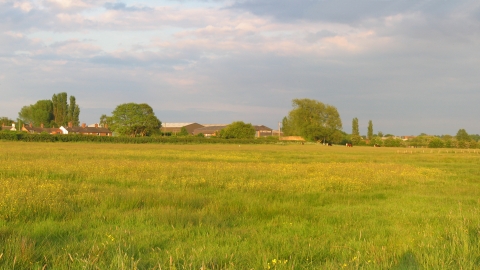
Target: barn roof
(172,125)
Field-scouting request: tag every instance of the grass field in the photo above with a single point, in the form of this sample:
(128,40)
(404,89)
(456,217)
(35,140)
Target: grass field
(115,206)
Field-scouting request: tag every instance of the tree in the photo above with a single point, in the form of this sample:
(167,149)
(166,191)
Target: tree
(313,120)
(238,130)
(73,112)
(38,113)
(370,130)
(183,132)
(60,109)
(55,112)
(462,135)
(286,129)
(355,132)
(105,120)
(6,121)
(134,119)
(436,143)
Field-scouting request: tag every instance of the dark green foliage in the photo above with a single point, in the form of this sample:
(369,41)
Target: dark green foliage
(475,137)
(73,112)
(370,130)
(286,127)
(462,135)
(38,113)
(391,142)
(60,108)
(436,143)
(51,113)
(132,119)
(313,120)
(420,141)
(238,130)
(355,132)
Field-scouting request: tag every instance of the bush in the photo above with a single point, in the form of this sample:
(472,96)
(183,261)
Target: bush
(436,143)
(391,142)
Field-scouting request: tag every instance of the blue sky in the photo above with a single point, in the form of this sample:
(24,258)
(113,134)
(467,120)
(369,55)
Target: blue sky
(409,66)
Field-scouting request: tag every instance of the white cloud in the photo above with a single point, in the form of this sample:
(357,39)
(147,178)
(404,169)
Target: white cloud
(24,6)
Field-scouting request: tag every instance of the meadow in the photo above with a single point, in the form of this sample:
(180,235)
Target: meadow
(121,206)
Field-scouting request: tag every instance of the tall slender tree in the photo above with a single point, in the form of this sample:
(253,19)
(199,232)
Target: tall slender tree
(60,108)
(73,112)
(64,112)
(462,135)
(370,130)
(355,132)
(51,113)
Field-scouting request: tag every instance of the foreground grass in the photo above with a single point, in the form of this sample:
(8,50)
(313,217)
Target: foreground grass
(91,206)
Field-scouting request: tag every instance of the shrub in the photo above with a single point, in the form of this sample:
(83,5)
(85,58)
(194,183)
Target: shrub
(436,143)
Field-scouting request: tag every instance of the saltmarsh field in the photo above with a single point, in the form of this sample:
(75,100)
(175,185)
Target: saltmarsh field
(121,206)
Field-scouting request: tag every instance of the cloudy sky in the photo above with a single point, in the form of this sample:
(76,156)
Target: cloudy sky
(410,66)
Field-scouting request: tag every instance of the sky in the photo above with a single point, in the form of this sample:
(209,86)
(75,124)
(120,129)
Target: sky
(410,66)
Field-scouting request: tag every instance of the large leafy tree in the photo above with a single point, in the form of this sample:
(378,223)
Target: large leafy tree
(238,130)
(38,113)
(314,121)
(132,119)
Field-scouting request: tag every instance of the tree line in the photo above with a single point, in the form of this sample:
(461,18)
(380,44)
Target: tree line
(311,119)
(53,112)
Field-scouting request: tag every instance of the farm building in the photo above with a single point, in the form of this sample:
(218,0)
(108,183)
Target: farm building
(175,128)
(263,131)
(209,130)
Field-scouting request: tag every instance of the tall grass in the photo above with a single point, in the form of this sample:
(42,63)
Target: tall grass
(96,206)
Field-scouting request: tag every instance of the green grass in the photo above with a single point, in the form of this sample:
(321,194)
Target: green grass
(107,206)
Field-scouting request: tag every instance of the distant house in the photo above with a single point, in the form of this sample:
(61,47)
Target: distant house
(96,130)
(209,130)
(406,138)
(175,128)
(11,128)
(35,130)
(263,131)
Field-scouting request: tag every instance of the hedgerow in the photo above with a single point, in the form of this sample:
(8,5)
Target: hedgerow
(43,137)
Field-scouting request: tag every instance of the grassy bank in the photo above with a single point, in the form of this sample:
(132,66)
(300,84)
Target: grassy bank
(110,206)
